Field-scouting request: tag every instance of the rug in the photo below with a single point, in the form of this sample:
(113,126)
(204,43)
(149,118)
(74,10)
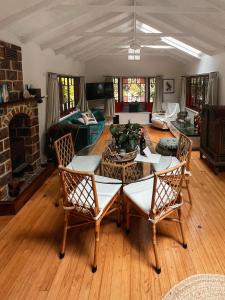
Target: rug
(199,287)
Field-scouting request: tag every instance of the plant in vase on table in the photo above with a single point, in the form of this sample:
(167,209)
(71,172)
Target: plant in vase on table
(126,137)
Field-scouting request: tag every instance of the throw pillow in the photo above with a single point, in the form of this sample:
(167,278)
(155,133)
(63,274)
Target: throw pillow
(89,118)
(81,120)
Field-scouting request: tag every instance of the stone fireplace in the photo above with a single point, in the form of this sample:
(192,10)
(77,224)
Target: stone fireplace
(19,141)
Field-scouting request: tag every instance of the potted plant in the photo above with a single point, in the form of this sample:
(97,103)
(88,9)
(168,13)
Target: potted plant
(126,137)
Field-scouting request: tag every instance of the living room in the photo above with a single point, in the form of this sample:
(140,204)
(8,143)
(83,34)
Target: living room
(155,129)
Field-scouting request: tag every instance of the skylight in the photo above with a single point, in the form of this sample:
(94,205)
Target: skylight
(181,46)
(157,46)
(146,28)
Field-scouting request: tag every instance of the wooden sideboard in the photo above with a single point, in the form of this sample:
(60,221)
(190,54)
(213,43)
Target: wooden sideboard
(212,140)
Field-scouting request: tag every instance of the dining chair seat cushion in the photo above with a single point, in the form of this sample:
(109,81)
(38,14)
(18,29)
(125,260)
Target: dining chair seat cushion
(87,163)
(106,189)
(140,193)
(165,162)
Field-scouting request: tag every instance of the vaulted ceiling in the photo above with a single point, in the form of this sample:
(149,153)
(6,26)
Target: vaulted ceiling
(84,29)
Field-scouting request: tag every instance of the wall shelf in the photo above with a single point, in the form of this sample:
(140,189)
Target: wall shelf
(17,101)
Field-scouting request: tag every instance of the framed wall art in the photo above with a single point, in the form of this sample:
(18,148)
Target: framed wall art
(168,86)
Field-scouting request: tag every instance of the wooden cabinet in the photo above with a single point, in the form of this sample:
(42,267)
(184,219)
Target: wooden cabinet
(212,141)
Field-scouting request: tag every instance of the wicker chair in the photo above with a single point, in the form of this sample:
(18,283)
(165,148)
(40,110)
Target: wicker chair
(183,154)
(66,157)
(89,197)
(155,198)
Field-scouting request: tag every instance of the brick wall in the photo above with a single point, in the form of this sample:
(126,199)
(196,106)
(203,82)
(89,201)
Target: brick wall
(11,69)
(32,147)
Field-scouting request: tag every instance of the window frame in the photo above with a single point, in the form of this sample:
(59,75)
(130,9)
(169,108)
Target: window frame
(134,77)
(76,90)
(119,87)
(149,89)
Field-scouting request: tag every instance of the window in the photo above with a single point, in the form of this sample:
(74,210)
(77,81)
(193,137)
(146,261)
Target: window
(133,89)
(116,87)
(69,93)
(196,91)
(152,89)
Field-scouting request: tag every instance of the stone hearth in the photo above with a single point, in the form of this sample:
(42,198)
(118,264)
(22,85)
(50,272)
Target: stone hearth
(29,133)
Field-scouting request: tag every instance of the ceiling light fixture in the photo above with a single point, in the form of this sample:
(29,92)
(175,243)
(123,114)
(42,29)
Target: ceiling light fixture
(181,46)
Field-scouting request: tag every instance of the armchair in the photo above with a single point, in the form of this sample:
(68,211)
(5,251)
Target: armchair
(160,120)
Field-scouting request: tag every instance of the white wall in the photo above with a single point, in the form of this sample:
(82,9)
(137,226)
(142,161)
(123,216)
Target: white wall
(36,64)
(117,65)
(211,64)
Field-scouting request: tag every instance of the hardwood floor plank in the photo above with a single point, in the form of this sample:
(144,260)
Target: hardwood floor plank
(30,241)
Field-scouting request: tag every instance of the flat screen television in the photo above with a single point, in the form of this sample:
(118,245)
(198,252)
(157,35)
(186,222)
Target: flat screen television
(99,90)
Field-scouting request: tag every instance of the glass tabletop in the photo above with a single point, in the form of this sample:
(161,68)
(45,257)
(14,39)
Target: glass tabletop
(96,149)
(126,171)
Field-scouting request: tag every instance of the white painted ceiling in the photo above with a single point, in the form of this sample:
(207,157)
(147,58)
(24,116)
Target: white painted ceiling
(84,29)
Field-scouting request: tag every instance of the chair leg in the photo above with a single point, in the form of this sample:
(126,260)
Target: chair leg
(127,217)
(188,190)
(60,194)
(97,231)
(119,212)
(158,268)
(181,228)
(63,246)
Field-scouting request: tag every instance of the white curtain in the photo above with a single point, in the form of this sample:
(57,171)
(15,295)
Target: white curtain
(109,105)
(83,104)
(183,93)
(212,93)
(53,101)
(157,104)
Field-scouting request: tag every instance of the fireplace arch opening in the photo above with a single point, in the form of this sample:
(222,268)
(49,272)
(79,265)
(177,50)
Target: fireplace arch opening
(19,135)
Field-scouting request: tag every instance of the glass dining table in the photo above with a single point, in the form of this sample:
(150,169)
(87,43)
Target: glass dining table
(127,171)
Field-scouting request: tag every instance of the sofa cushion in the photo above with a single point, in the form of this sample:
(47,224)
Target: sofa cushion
(99,116)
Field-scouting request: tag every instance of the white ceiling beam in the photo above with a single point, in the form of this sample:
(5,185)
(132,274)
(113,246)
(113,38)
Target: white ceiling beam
(80,13)
(219,4)
(78,16)
(72,44)
(160,24)
(64,34)
(152,9)
(189,29)
(28,11)
(182,55)
(85,46)
(103,33)
(93,52)
(98,47)
(67,49)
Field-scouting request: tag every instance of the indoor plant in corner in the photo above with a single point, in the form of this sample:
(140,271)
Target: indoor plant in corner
(125,141)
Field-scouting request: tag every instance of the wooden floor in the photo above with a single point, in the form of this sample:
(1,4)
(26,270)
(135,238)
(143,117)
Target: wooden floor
(29,245)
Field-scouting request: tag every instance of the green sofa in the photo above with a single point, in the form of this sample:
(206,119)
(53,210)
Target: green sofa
(83,135)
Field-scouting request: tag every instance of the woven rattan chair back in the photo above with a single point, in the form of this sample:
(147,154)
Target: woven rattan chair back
(64,149)
(166,191)
(79,192)
(184,150)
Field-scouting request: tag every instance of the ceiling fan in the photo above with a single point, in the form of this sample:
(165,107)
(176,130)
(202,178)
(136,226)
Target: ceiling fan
(134,48)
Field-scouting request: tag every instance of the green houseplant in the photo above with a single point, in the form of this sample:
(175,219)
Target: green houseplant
(126,137)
